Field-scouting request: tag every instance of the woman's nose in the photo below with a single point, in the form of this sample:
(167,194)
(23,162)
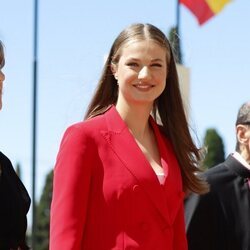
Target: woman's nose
(144,73)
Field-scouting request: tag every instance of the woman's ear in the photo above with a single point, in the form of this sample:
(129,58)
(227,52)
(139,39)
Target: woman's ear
(242,132)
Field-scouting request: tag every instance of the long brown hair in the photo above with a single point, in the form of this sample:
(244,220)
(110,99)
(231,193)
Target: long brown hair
(168,107)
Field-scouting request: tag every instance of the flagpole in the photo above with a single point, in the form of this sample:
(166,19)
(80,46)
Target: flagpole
(178,41)
(34,125)
(177,16)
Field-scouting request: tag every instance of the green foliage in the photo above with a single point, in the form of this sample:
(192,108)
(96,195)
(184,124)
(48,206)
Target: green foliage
(174,40)
(215,148)
(43,215)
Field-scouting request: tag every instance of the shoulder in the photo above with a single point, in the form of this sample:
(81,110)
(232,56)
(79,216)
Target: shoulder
(10,181)
(87,127)
(83,133)
(90,124)
(5,163)
(4,158)
(218,175)
(216,172)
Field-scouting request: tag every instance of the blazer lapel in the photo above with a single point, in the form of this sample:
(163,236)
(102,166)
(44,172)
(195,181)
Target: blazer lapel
(174,194)
(161,146)
(123,144)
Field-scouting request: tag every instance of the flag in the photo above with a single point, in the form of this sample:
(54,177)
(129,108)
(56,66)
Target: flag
(204,9)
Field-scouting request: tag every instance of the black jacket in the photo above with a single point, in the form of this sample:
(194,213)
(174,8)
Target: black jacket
(14,206)
(220,219)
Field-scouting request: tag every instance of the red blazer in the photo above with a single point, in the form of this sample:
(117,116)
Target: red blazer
(106,196)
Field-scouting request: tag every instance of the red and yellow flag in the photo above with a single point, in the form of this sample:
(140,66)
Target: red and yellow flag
(204,9)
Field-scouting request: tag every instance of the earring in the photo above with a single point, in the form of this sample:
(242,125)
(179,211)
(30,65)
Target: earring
(116,78)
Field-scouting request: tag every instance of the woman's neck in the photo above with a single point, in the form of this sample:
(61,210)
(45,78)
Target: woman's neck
(136,117)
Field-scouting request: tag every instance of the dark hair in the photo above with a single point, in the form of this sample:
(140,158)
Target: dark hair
(2,60)
(168,107)
(243,118)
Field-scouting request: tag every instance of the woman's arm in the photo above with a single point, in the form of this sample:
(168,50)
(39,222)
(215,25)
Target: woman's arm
(71,185)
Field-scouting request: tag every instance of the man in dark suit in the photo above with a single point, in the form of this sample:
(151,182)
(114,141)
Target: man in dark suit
(220,219)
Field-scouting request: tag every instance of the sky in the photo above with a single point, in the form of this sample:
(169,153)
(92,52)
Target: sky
(73,39)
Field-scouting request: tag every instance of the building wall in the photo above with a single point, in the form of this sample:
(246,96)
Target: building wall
(184,80)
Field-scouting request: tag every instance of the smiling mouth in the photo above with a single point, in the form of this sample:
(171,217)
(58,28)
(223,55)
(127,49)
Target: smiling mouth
(143,86)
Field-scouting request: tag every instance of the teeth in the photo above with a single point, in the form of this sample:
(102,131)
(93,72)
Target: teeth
(143,86)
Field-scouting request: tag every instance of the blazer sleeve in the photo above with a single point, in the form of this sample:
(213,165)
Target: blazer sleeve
(71,183)
(180,240)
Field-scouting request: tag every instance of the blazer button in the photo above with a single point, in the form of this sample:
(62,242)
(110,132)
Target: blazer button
(136,188)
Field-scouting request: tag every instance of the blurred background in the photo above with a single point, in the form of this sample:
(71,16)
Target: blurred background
(73,38)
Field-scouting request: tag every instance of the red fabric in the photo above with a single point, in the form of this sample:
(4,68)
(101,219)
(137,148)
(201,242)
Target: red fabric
(106,195)
(199,8)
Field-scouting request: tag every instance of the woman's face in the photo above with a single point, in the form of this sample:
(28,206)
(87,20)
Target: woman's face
(2,77)
(141,72)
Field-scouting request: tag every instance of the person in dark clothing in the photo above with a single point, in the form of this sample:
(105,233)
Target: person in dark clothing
(14,198)
(220,219)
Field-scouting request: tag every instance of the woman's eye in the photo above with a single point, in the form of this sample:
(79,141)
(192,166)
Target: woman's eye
(132,64)
(156,65)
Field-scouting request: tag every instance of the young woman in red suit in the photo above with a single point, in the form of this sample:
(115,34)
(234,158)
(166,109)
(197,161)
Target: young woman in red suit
(120,178)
